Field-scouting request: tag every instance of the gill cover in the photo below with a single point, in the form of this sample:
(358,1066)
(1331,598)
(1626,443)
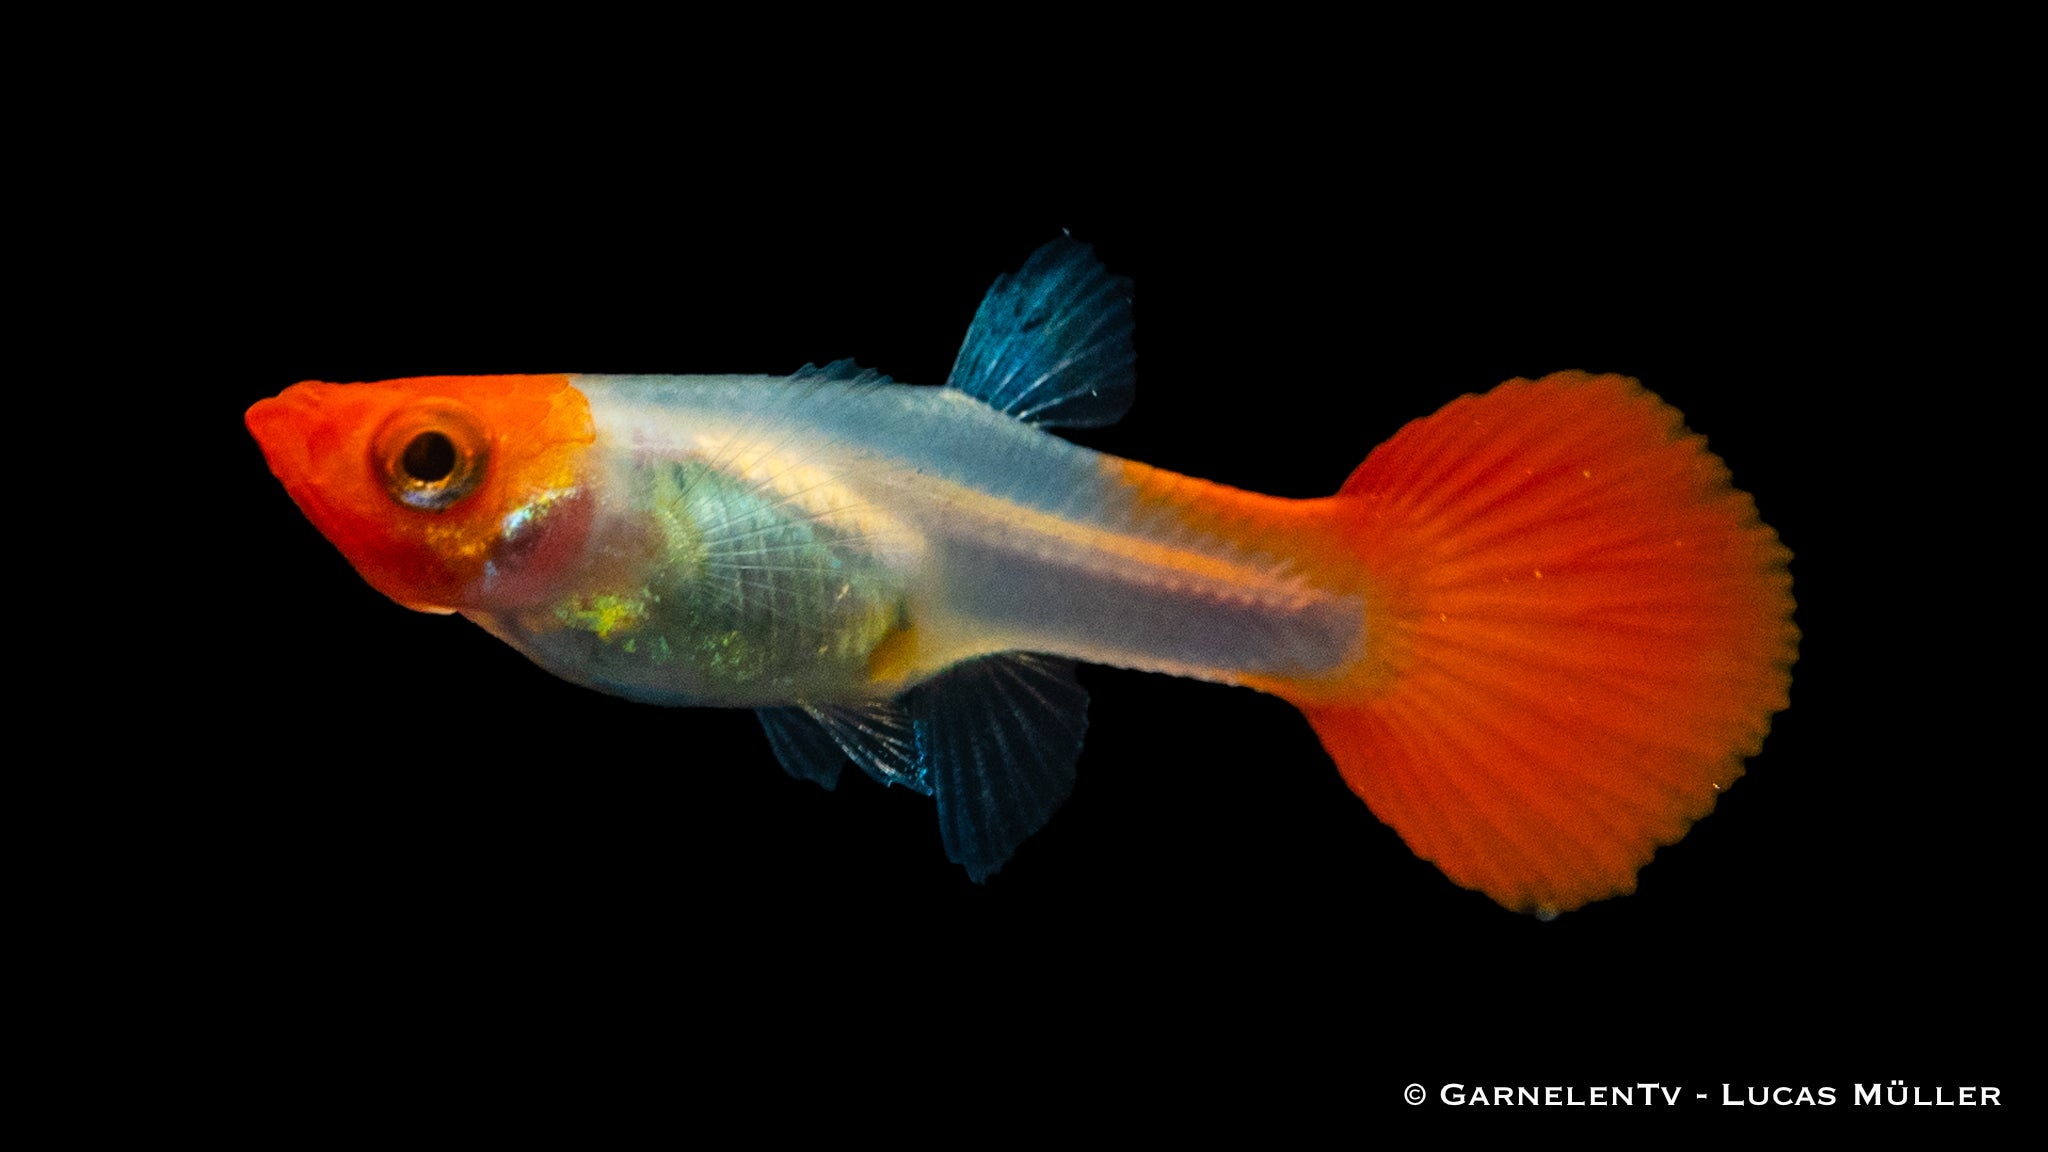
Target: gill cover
(445,492)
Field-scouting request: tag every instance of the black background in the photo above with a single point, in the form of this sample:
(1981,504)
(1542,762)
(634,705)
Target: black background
(386,821)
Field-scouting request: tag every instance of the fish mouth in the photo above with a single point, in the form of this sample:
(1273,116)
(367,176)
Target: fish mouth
(279,425)
(308,398)
(298,428)
(295,429)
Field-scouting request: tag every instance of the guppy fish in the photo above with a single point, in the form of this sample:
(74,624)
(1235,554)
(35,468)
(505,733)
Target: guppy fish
(1538,632)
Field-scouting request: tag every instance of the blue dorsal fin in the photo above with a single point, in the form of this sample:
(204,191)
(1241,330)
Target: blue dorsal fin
(881,738)
(839,372)
(1051,343)
(999,738)
(805,750)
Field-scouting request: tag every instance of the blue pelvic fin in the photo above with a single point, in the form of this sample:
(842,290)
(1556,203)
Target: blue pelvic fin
(1051,343)
(994,740)
(805,750)
(1000,737)
(879,737)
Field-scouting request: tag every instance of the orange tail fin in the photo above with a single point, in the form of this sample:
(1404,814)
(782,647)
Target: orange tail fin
(1578,630)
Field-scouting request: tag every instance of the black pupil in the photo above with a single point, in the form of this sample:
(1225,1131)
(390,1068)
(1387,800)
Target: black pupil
(430,458)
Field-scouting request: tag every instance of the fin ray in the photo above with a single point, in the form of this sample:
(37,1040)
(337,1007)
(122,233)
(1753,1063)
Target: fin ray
(1052,343)
(880,737)
(1580,631)
(802,746)
(1001,737)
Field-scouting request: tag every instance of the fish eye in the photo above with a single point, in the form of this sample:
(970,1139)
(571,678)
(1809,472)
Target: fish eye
(431,454)
(429,459)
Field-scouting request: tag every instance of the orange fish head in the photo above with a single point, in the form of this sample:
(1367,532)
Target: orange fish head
(445,492)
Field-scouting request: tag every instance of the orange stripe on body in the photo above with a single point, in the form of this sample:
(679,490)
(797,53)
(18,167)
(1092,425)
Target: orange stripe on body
(1273,538)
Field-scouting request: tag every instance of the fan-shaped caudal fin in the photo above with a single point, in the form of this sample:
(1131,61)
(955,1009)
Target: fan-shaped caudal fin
(1577,632)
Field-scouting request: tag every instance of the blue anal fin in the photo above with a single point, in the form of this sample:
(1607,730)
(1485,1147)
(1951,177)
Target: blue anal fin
(998,739)
(1051,343)
(994,740)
